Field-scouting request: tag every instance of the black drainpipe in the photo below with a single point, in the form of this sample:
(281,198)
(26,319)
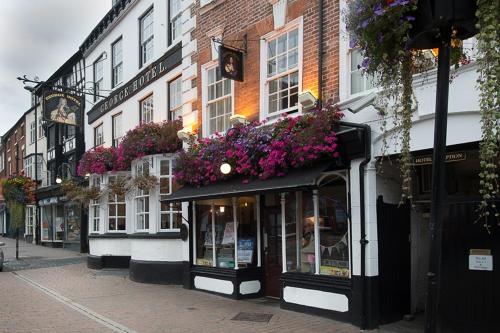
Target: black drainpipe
(320,53)
(363,241)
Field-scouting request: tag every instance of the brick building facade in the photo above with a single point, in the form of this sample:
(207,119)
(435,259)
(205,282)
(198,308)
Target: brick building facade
(232,21)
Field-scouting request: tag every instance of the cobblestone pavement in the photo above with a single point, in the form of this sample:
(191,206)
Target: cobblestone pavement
(73,298)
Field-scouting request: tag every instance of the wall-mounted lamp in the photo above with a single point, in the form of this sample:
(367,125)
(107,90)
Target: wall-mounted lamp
(307,100)
(185,134)
(225,168)
(238,119)
(222,209)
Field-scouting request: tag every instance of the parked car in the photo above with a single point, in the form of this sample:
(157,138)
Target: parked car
(1,256)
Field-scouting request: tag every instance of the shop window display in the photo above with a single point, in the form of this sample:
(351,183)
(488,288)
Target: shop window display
(215,230)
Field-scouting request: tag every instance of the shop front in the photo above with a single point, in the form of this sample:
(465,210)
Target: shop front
(60,223)
(288,237)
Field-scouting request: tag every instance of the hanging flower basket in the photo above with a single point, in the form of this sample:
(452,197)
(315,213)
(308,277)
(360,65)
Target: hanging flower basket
(120,186)
(150,139)
(99,161)
(80,194)
(145,182)
(259,151)
(19,189)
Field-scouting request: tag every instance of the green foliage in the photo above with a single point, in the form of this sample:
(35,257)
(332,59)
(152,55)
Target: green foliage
(16,210)
(488,15)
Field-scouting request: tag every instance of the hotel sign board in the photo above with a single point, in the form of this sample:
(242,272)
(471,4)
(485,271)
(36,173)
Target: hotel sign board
(450,157)
(61,107)
(147,76)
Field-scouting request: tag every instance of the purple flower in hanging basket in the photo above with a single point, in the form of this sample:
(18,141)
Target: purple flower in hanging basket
(378,10)
(365,63)
(410,18)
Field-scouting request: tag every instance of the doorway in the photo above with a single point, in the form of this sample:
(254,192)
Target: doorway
(273,259)
(393,226)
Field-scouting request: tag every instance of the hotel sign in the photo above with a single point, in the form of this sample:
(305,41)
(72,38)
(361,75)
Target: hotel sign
(60,107)
(150,74)
(450,157)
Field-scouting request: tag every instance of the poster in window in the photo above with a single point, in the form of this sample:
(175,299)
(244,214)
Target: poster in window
(231,63)
(228,233)
(245,250)
(59,107)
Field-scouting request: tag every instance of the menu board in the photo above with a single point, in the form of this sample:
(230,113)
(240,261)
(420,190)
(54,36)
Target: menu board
(245,250)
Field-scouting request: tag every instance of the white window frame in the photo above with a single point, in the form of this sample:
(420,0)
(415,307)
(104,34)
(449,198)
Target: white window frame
(174,16)
(349,72)
(116,203)
(116,64)
(27,167)
(204,78)
(264,80)
(98,137)
(98,80)
(40,127)
(95,207)
(170,178)
(117,135)
(142,195)
(175,110)
(149,117)
(145,41)
(30,219)
(32,132)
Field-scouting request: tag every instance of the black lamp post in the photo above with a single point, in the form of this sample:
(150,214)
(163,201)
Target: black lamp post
(434,24)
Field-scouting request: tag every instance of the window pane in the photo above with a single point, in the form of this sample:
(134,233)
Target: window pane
(165,167)
(224,233)
(281,44)
(356,82)
(121,223)
(293,58)
(271,49)
(307,254)
(121,210)
(165,185)
(333,224)
(204,242)
(282,63)
(293,39)
(271,67)
(165,221)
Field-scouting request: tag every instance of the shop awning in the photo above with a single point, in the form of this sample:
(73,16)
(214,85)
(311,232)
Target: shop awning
(296,179)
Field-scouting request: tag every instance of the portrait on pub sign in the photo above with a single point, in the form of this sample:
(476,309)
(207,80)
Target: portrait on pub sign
(231,63)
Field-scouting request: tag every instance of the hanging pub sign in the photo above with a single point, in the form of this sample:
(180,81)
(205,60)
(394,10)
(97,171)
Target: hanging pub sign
(231,63)
(59,107)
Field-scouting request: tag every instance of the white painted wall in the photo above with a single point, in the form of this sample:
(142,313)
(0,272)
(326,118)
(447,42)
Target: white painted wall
(215,285)
(128,28)
(109,246)
(156,249)
(316,299)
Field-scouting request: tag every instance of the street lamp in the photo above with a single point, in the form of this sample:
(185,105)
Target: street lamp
(225,168)
(59,178)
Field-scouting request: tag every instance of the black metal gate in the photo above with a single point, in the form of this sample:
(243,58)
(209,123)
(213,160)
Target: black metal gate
(470,299)
(393,227)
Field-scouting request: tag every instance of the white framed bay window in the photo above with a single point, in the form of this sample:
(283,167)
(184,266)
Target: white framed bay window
(170,213)
(141,199)
(116,209)
(281,70)
(217,99)
(95,207)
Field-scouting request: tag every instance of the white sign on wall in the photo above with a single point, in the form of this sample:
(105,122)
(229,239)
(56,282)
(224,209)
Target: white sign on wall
(480,260)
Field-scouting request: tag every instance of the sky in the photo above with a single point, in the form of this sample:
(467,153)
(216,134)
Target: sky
(36,38)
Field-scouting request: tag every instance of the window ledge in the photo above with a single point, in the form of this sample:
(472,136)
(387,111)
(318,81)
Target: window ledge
(214,3)
(109,235)
(158,235)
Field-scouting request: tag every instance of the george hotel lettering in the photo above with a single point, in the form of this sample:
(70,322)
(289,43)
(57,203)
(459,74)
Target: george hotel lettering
(153,72)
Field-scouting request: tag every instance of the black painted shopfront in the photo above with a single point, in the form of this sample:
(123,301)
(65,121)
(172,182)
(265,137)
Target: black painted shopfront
(286,237)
